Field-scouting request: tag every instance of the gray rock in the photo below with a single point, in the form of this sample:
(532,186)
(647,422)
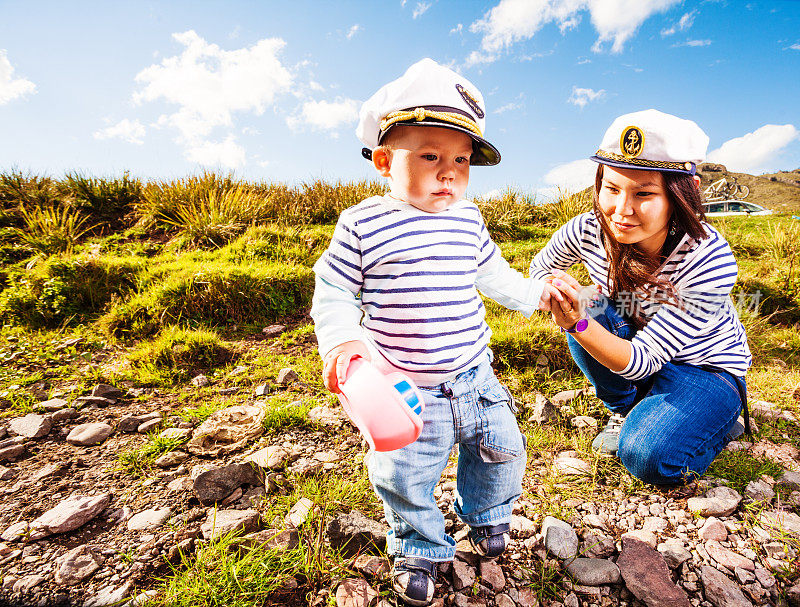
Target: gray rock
(94,401)
(327,416)
(106,391)
(287,376)
(674,553)
(647,576)
(789,479)
(371,565)
(148,519)
(728,558)
(222,522)
(492,574)
(71,513)
(743,576)
(63,415)
(89,434)
(218,483)
(173,458)
(355,592)
(298,514)
(271,458)
(648,537)
(6,474)
(571,466)
(719,501)
(522,527)
(713,529)
(53,405)
(109,595)
(759,491)
(793,595)
(541,410)
(31,426)
(10,453)
(559,538)
(463,575)
(306,466)
(594,572)
(354,533)
(283,539)
(77,565)
(130,423)
(149,425)
(200,381)
(721,591)
(15,531)
(273,330)
(27,583)
(565,396)
(598,546)
(765,578)
(786,522)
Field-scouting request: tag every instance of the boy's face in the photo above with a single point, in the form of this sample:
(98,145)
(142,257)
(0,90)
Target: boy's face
(428,167)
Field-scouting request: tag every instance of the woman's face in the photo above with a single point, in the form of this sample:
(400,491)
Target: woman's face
(636,207)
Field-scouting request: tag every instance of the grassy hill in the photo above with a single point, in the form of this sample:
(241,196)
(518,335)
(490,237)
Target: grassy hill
(777,191)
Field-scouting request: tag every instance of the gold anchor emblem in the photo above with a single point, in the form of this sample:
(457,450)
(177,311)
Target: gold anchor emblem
(631,143)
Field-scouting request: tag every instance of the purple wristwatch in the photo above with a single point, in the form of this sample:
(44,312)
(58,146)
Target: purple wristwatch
(579,326)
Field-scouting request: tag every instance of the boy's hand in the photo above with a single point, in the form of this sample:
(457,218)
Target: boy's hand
(550,296)
(335,363)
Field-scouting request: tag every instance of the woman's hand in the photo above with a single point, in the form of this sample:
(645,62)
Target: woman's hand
(576,297)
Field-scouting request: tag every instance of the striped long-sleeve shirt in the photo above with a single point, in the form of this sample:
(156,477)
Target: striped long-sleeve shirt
(406,282)
(703,330)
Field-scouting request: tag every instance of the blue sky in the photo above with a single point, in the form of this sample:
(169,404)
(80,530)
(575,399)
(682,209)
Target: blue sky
(271,90)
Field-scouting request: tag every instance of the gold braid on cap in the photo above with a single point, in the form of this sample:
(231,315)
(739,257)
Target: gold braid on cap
(659,164)
(419,114)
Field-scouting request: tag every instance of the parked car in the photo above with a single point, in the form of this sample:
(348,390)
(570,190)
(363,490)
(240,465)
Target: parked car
(730,208)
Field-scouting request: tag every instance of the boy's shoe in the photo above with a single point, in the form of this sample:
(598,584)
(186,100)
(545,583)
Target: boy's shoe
(607,442)
(490,542)
(413,580)
(736,431)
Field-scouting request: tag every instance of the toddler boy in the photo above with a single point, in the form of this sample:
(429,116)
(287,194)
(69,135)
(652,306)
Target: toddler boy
(399,286)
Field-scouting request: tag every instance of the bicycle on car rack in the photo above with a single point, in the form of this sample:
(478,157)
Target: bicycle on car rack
(722,189)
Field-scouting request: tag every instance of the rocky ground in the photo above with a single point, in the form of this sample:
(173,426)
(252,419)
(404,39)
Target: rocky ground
(79,529)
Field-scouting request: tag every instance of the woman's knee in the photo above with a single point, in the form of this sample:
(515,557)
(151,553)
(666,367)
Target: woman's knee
(649,459)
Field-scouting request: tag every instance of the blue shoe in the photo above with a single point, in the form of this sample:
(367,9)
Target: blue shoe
(490,542)
(413,580)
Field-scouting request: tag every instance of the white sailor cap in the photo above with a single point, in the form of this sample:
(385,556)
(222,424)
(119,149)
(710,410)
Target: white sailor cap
(428,94)
(653,141)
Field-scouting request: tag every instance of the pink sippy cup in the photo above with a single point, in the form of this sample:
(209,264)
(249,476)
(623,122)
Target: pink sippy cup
(386,409)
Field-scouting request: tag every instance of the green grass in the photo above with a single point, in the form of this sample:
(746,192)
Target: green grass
(139,460)
(740,468)
(282,415)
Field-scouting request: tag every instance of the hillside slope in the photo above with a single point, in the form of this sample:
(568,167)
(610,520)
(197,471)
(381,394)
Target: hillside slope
(777,191)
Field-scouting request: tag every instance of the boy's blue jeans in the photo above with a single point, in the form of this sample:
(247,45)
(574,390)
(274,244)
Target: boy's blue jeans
(475,411)
(674,429)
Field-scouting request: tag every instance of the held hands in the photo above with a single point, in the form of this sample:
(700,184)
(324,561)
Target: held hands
(574,299)
(335,363)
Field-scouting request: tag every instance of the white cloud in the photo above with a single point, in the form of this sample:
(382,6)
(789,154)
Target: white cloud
(581,97)
(753,152)
(209,84)
(513,105)
(693,43)
(352,31)
(457,29)
(512,21)
(795,47)
(226,153)
(11,88)
(572,176)
(131,131)
(683,24)
(420,9)
(325,115)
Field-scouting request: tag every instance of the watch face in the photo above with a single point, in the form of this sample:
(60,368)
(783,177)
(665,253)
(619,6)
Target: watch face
(581,325)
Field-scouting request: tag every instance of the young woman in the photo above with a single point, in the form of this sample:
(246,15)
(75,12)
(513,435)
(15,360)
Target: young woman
(657,334)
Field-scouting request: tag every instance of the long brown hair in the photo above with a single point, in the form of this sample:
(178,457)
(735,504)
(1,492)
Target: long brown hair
(633,271)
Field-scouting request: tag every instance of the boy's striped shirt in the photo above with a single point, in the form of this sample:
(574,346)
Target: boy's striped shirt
(416,274)
(706,331)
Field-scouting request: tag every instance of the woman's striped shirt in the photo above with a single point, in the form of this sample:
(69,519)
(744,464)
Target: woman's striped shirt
(704,331)
(415,275)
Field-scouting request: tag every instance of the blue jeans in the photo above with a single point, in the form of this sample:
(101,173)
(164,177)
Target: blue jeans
(677,419)
(476,412)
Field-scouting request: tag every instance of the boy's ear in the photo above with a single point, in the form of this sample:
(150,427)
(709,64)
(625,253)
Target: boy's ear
(382,160)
